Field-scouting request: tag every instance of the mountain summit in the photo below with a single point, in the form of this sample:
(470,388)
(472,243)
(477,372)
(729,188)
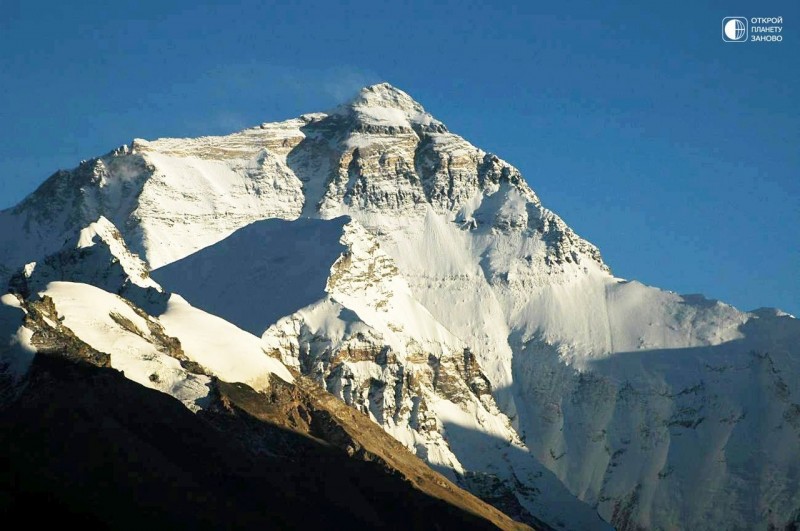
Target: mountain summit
(420,281)
(384,106)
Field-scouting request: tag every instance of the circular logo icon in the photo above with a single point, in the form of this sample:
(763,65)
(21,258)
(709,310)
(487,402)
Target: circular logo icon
(734,29)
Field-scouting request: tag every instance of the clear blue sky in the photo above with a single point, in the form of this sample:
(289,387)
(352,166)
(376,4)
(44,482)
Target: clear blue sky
(677,154)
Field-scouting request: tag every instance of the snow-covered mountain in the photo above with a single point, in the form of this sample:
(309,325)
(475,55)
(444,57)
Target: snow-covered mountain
(421,281)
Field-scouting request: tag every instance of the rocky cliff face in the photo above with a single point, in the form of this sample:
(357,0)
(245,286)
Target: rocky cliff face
(421,281)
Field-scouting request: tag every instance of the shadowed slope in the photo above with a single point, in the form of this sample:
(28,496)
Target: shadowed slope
(99,448)
(273,267)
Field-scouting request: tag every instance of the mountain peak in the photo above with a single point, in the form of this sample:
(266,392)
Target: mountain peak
(385,105)
(385,95)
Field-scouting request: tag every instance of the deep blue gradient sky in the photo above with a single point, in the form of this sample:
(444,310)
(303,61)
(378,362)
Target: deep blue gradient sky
(677,154)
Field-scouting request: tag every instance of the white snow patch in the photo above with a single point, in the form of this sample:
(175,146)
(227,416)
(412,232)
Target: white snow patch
(8,299)
(228,351)
(87,311)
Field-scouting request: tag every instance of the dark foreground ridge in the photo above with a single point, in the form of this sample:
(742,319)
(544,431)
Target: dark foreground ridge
(82,444)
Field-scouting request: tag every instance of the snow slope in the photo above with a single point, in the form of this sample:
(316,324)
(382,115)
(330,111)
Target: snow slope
(143,347)
(108,324)
(95,283)
(224,349)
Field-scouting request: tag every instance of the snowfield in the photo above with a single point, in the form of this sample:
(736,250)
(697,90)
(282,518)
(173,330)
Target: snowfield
(108,324)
